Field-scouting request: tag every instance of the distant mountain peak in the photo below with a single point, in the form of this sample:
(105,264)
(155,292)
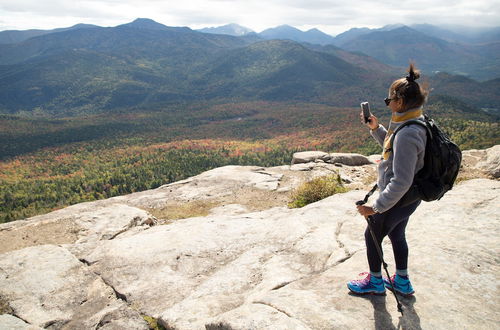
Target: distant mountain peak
(391,27)
(285,27)
(146,23)
(83,26)
(317,32)
(141,20)
(232,29)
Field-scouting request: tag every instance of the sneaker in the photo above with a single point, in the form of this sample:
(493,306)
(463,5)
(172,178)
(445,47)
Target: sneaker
(401,285)
(369,285)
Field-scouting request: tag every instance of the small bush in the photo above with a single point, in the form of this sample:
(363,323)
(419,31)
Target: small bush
(316,189)
(153,323)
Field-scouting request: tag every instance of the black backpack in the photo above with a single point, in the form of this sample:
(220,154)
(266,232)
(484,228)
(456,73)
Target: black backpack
(441,164)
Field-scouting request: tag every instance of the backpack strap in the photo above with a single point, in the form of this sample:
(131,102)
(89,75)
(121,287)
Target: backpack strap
(423,123)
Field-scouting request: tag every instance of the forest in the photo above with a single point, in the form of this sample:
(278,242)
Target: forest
(47,164)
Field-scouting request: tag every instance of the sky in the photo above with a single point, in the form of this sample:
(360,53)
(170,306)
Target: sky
(330,16)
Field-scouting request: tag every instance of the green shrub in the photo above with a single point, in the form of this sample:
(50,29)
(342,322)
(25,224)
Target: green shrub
(317,189)
(153,323)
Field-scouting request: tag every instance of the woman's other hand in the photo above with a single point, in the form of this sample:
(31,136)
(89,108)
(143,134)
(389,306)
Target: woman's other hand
(365,210)
(372,123)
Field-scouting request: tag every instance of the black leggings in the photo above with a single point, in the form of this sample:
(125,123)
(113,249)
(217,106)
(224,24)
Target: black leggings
(393,223)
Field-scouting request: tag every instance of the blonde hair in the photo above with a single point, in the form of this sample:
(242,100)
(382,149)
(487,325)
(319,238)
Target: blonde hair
(407,89)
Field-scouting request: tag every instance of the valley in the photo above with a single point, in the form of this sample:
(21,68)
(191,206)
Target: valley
(89,112)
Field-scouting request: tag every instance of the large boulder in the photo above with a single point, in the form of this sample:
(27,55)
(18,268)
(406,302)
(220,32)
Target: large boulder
(491,162)
(486,161)
(308,156)
(349,159)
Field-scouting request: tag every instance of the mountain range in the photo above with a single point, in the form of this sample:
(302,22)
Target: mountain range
(458,50)
(312,36)
(89,69)
(13,36)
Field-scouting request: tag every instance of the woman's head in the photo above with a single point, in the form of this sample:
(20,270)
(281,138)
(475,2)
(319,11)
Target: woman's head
(406,93)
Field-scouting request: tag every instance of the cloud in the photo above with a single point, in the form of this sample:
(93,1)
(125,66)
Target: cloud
(333,16)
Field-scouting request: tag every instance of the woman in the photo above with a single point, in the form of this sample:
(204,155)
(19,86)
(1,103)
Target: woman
(398,166)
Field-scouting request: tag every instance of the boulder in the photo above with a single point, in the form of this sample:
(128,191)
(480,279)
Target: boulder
(348,159)
(308,156)
(491,162)
(333,158)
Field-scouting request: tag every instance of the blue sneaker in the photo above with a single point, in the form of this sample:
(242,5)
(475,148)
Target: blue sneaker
(402,285)
(369,285)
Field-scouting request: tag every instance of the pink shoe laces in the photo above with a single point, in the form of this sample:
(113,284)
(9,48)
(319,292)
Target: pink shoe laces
(364,281)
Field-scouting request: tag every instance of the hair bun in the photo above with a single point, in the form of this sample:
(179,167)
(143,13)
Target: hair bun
(413,73)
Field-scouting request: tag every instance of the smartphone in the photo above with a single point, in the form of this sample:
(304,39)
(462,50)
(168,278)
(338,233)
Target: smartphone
(365,106)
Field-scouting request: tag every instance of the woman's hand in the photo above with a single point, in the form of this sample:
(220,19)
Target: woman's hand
(365,210)
(372,123)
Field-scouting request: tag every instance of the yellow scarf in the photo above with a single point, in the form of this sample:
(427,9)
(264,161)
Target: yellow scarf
(396,120)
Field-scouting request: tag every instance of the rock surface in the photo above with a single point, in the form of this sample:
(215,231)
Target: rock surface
(47,286)
(9,322)
(248,267)
(84,224)
(239,268)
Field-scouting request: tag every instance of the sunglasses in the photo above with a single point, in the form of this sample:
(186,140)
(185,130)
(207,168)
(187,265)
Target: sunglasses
(387,101)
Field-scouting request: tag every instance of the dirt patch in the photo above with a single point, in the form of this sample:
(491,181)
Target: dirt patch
(5,307)
(176,210)
(61,231)
(252,198)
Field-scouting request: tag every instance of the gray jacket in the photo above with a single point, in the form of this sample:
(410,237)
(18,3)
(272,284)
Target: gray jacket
(395,175)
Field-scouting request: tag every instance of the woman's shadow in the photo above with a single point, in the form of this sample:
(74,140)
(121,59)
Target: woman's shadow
(383,319)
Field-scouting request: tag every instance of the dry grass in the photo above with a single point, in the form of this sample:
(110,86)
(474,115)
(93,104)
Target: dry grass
(61,231)
(252,198)
(175,211)
(370,178)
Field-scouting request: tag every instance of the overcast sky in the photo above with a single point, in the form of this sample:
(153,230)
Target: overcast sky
(330,16)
